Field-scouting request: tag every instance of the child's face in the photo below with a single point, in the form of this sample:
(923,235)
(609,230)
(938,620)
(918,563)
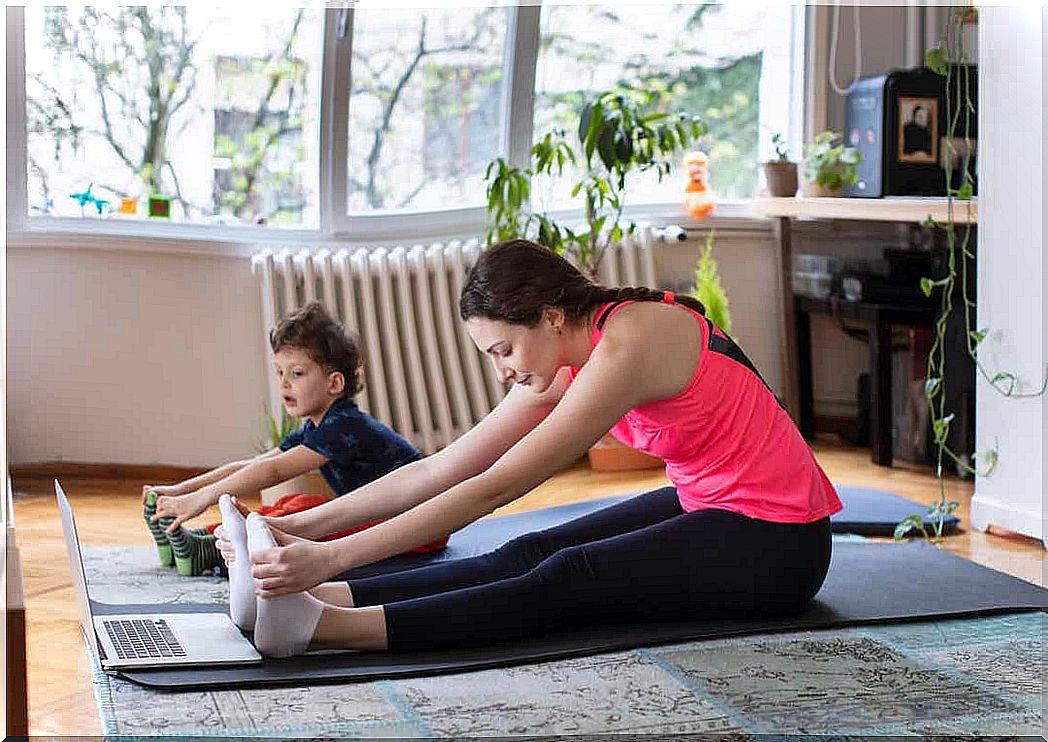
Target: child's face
(306,389)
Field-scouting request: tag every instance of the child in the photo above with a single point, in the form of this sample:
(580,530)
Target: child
(319,366)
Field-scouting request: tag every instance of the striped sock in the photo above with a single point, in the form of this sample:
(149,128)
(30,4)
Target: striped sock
(163,546)
(195,554)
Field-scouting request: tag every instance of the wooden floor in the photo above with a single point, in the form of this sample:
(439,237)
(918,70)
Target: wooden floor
(61,699)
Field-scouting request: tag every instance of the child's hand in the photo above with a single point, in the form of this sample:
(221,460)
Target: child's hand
(182,508)
(161,490)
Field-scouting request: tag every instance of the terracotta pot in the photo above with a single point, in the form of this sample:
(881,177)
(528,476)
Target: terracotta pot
(814,190)
(781,178)
(310,483)
(608,454)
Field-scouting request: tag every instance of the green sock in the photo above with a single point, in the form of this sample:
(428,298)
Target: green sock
(195,553)
(163,546)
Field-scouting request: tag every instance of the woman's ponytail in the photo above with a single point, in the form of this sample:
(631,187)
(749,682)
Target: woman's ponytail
(516,280)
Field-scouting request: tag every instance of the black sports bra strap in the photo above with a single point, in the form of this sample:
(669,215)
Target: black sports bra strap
(607,310)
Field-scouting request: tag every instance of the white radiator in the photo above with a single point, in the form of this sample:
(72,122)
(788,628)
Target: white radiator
(423,375)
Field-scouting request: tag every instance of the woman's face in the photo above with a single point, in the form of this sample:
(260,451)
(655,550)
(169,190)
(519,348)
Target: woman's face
(529,356)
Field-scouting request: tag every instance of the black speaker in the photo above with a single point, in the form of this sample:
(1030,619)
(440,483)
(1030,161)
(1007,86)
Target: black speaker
(898,122)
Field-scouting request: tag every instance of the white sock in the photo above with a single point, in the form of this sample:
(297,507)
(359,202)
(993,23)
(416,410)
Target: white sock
(241,586)
(285,624)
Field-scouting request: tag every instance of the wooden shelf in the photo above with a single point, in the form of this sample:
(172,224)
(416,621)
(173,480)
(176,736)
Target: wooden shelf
(893,209)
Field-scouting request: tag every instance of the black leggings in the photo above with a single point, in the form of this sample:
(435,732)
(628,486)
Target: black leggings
(641,559)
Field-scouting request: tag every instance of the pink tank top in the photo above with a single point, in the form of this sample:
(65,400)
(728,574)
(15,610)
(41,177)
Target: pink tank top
(726,441)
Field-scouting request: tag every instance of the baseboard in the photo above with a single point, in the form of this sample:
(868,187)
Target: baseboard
(830,424)
(986,511)
(71,469)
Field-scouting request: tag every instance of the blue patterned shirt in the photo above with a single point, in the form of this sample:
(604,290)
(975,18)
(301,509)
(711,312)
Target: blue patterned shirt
(358,448)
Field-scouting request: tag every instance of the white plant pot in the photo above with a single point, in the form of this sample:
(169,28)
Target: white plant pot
(310,483)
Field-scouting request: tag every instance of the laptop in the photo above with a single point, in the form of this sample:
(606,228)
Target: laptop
(151,639)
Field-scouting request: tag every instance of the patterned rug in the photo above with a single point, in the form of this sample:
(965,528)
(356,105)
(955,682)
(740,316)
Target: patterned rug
(974,676)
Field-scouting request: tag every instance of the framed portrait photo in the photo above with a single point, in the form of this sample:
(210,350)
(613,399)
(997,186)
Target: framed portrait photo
(918,130)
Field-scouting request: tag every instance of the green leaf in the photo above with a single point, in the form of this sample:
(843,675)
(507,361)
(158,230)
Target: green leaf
(936,60)
(907,524)
(942,509)
(623,147)
(964,193)
(593,131)
(941,428)
(584,121)
(978,336)
(606,147)
(929,222)
(926,286)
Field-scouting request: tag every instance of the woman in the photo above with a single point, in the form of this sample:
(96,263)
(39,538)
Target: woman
(744,529)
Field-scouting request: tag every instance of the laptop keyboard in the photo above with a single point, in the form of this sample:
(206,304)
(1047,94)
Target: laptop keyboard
(143,638)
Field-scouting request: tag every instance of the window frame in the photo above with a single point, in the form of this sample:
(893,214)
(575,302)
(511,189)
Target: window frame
(336,225)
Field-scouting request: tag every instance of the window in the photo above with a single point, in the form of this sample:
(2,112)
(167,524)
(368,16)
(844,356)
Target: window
(128,103)
(424,109)
(708,60)
(222,118)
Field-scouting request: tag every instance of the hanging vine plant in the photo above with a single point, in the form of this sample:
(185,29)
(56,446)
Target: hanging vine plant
(950,59)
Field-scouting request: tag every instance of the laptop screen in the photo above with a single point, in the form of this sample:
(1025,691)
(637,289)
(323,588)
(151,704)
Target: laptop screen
(76,567)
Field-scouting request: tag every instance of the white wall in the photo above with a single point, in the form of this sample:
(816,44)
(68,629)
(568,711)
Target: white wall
(883,32)
(132,357)
(1012,264)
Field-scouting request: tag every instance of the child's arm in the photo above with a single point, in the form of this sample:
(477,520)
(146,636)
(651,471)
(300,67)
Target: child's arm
(259,473)
(202,480)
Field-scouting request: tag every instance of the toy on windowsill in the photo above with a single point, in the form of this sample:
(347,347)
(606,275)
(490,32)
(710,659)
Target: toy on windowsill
(128,206)
(86,197)
(699,200)
(159,207)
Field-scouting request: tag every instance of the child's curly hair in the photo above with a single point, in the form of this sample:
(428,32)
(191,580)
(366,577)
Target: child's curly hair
(326,341)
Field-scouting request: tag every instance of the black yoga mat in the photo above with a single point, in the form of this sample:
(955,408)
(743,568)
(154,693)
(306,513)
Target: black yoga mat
(867,512)
(867,583)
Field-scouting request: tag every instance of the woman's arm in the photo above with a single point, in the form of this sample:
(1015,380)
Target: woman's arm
(404,488)
(617,378)
(604,390)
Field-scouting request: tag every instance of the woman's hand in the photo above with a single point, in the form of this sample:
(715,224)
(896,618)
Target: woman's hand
(294,565)
(182,508)
(224,545)
(162,490)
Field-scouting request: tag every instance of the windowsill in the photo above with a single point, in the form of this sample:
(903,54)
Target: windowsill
(136,235)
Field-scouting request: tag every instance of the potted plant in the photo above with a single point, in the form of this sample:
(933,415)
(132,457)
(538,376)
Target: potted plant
(708,288)
(780,173)
(829,166)
(309,483)
(619,132)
